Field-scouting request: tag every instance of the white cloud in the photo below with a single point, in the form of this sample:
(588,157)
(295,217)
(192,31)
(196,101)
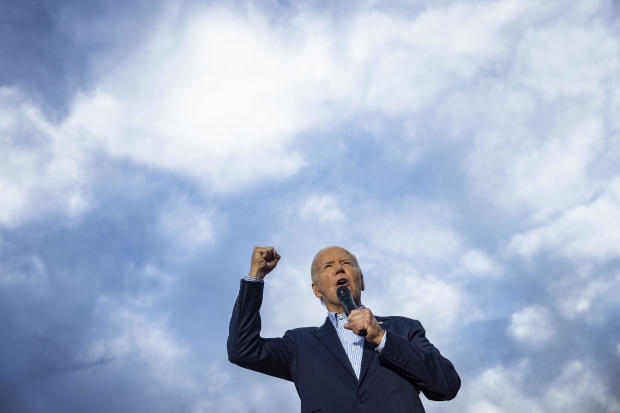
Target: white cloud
(220,101)
(132,326)
(498,389)
(580,388)
(321,208)
(133,332)
(477,263)
(589,294)
(433,301)
(517,167)
(590,231)
(531,326)
(419,232)
(540,127)
(186,227)
(223,100)
(224,97)
(563,60)
(577,388)
(41,171)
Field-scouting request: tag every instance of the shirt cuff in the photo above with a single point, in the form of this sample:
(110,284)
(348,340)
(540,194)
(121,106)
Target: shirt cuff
(382,344)
(253,279)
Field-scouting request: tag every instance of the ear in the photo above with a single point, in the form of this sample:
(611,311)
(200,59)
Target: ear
(316,290)
(362,279)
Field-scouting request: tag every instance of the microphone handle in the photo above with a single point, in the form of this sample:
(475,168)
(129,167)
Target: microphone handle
(349,305)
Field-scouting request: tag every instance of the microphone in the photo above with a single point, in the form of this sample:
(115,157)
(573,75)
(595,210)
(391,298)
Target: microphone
(346,299)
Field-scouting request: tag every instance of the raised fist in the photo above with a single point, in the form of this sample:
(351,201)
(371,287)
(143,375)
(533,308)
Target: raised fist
(264,259)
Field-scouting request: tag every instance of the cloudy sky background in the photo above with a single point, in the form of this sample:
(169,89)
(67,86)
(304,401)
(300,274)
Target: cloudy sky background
(467,152)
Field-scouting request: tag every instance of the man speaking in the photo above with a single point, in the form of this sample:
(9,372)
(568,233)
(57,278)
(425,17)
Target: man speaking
(355,363)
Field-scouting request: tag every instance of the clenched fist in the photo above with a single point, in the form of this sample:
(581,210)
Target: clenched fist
(264,259)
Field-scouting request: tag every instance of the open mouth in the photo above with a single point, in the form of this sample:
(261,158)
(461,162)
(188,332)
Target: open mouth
(342,281)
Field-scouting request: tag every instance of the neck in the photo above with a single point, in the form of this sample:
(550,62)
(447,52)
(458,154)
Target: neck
(334,308)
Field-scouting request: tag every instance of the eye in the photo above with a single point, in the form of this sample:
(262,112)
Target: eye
(327,265)
(346,262)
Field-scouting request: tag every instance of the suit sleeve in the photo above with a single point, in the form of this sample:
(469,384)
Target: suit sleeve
(246,348)
(416,359)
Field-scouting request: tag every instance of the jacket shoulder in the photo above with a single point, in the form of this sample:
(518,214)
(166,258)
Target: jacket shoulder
(301,331)
(395,319)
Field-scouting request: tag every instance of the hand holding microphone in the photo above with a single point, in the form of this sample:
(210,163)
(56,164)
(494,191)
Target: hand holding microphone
(345,297)
(363,322)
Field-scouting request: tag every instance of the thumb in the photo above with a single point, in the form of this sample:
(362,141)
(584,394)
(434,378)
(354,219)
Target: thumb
(347,326)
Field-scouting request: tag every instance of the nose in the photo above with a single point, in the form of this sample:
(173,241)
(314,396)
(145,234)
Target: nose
(339,268)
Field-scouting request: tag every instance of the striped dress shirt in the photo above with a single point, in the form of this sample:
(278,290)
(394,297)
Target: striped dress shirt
(352,343)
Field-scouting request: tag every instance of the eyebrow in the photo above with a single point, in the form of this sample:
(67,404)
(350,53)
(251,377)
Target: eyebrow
(340,260)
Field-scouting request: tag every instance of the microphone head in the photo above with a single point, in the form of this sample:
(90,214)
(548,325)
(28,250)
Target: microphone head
(346,299)
(342,292)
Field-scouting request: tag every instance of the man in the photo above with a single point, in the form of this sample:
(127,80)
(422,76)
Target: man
(333,368)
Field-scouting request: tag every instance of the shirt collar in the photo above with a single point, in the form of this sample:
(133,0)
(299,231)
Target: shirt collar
(335,317)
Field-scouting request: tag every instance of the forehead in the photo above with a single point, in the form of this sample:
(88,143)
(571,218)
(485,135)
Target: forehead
(332,253)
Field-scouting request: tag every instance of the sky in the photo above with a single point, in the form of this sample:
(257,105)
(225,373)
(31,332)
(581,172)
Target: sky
(467,152)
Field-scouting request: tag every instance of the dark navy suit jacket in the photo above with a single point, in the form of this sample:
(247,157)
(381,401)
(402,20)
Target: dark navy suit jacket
(314,359)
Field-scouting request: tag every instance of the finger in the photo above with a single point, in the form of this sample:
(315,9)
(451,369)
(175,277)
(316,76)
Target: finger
(267,254)
(354,314)
(347,326)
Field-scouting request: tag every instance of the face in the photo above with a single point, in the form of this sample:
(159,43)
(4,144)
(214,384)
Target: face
(333,267)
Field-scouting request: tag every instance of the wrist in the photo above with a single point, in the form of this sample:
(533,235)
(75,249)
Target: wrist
(256,274)
(379,336)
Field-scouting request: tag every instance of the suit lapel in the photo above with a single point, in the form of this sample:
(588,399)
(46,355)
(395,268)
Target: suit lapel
(329,338)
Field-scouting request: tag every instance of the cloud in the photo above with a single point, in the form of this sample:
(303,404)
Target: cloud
(519,168)
(418,231)
(498,389)
(531,326)
(586,231)
(323,208)
(41,172)
(578,387)
(433,301)
(588,295)
(544,137)
(501,389)
(224,100)
(579,65)
(478,263)
(132,332)
(187,228)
